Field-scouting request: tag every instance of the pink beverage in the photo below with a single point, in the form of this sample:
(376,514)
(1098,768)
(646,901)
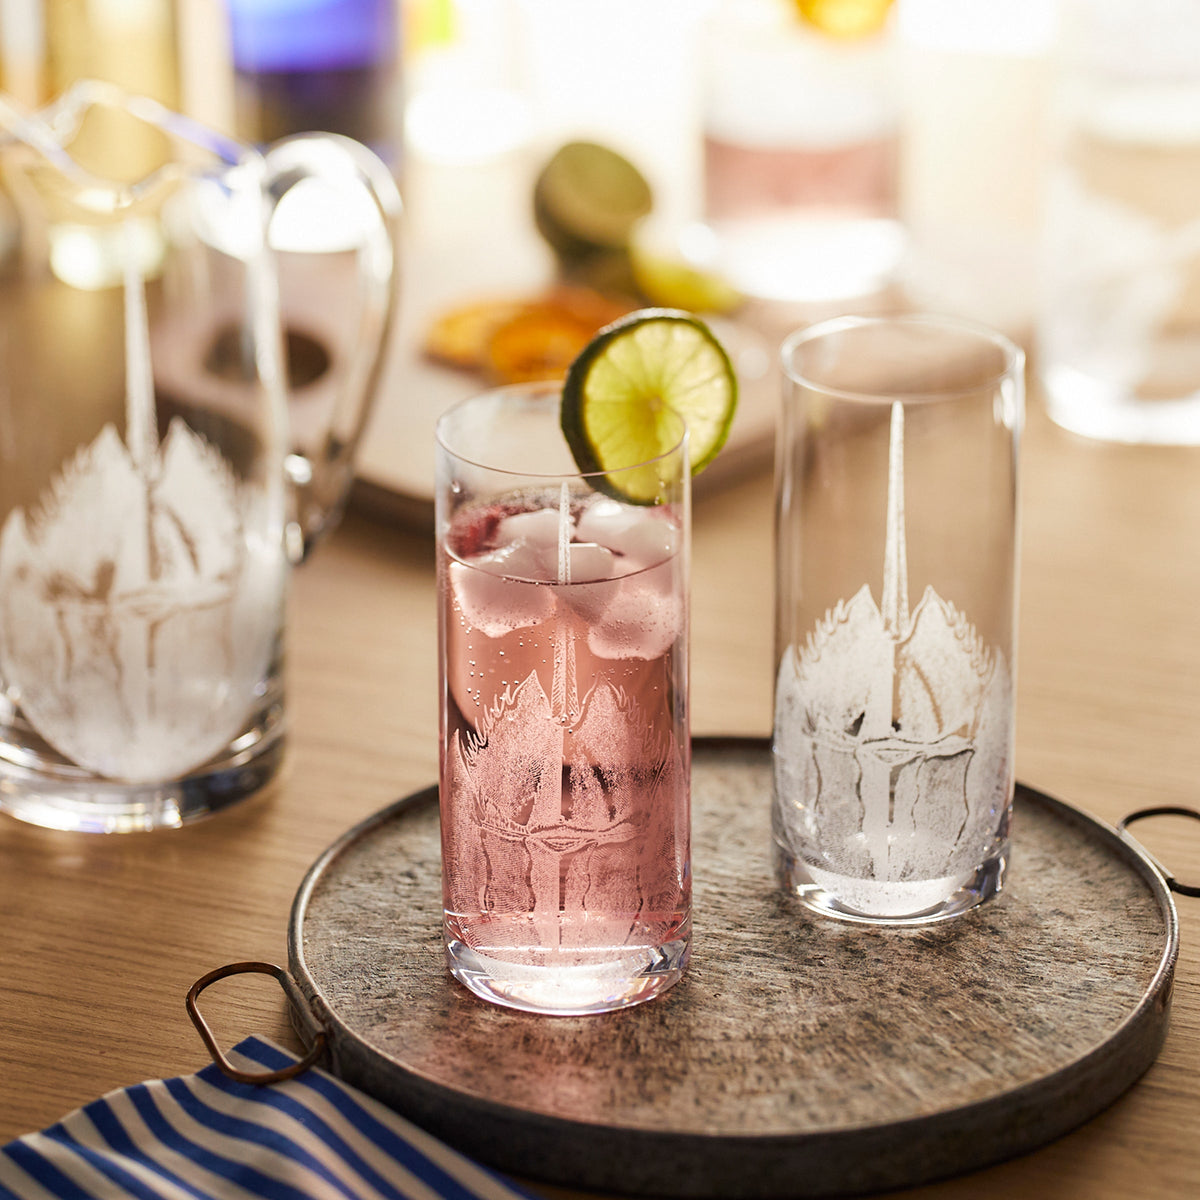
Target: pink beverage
(565,782)
(856,180)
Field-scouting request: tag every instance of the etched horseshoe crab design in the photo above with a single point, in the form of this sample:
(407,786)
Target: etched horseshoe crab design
(893,736)
(134,627)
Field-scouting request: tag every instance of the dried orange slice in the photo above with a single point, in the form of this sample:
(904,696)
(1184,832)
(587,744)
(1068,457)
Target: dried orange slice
(460,337)
(540,342)
(517,339)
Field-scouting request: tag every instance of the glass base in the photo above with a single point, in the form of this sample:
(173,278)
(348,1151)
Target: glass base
(42,788)
(571,991)
(1096,409)
(882,902)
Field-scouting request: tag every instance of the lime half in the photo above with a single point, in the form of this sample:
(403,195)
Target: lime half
(624,391)
(588,198)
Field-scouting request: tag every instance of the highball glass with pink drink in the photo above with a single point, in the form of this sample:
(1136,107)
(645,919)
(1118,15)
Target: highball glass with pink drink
(564,722)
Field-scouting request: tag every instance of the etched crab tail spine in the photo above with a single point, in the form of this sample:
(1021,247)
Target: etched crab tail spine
(141,417)
(894,607)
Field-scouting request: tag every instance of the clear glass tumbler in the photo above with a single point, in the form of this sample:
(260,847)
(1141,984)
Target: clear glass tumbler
(896,616)
(565,760)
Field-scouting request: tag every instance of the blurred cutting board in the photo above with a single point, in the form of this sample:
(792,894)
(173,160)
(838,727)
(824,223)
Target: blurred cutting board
(395,467)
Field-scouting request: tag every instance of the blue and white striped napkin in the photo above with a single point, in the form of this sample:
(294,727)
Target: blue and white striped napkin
(203,1136)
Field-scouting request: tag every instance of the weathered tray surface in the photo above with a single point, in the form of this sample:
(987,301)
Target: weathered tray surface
(800,1055)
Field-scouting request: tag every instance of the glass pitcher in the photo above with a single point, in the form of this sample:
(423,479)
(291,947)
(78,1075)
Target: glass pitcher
(153,491)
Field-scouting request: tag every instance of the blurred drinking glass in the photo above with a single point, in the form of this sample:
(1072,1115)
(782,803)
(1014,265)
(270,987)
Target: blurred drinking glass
(800,148)
(1118,335)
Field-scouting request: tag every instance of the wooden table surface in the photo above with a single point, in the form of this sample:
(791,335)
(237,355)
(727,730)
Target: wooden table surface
(100,937)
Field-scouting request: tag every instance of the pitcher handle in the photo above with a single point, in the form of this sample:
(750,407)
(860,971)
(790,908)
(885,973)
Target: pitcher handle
(320,481)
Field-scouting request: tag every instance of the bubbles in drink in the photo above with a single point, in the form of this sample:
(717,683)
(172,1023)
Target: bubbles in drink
(565,793)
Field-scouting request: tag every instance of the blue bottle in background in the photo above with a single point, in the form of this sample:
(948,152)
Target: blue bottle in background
(327,65)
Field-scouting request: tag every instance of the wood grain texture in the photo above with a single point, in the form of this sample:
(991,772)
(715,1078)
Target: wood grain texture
(100,938)
(799,1055)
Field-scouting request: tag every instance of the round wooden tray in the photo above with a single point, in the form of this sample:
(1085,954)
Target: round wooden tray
(799,1055)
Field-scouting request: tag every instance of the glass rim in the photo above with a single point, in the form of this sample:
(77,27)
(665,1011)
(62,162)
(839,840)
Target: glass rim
(1013,356)
(543,390)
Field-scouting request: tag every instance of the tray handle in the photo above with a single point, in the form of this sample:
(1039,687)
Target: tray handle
(295,998)
(1162,810)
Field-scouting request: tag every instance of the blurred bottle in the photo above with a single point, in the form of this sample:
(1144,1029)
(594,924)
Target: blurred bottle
(22,54)
(975,81)
(327,65)
(470,158)
(132,43)
(800,147)
(128,42)
(319,66)
(206,63)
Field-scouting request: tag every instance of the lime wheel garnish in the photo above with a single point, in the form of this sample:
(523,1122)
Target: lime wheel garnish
(626,391)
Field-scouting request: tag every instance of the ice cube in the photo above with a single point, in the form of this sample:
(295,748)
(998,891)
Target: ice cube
(517,560)
(641,538)
(642,619)
(590,562)
(601,514)
(592,586)
(533,538)
(529,550)
(495,602)
(537,529)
